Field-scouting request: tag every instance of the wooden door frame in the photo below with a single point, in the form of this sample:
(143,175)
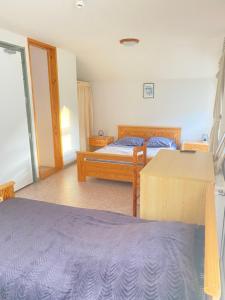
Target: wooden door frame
(54,100)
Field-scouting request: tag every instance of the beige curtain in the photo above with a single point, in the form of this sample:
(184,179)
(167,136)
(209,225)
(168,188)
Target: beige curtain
(85,113)
(220,154)
(218,109)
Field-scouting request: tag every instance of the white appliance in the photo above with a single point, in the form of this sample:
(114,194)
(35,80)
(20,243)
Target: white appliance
(15,151)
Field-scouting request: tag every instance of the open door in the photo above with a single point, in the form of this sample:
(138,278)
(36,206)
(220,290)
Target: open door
(46,107)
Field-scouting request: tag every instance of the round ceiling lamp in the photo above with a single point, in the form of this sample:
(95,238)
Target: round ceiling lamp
(129,42)
(80,3)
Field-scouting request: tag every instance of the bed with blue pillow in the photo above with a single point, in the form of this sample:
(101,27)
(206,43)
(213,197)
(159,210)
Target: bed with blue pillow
(115,161)
(125,146)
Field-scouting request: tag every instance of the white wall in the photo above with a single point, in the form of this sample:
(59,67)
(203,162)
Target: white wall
(183,103)
(68,104)
(12,38)
(40,75)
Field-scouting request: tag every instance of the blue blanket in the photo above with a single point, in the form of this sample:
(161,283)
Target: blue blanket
(55,252)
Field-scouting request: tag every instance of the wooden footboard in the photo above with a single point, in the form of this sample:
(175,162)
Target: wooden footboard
(7,191)
(104,166)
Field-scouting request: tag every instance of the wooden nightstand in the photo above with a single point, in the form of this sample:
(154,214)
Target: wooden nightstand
(100,141)
(196,146)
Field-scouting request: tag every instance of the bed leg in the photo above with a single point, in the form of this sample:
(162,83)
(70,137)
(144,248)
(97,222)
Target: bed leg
(80,167)
(134,187)
(81,178)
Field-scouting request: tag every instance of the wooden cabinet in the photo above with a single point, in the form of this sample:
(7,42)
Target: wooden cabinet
(179,186)
(100,141)
(173,186)
(196,146)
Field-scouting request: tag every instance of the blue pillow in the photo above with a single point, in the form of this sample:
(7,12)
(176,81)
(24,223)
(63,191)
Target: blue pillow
(130,141)
(160,142)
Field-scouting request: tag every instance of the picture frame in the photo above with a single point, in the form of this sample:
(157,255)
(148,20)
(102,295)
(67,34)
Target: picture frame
(148,90)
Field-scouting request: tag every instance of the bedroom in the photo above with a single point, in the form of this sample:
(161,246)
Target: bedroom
(178,49)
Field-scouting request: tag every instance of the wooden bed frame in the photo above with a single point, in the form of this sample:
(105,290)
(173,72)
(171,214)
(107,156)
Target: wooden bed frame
(114,166)
(139,161)
(212,285)
(7,191)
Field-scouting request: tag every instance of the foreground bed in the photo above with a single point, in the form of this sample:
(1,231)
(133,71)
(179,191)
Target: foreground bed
(106,165)
(56,252)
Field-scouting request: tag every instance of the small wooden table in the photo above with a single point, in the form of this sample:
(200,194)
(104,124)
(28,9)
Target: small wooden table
(196,146)
(100,141)
(173,186)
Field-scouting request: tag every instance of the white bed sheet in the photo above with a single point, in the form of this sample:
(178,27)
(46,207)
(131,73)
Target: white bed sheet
(127,150)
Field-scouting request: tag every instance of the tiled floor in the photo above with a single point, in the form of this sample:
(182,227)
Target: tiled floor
(63,188)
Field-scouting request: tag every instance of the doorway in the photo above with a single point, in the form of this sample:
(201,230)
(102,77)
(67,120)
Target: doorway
(43,65)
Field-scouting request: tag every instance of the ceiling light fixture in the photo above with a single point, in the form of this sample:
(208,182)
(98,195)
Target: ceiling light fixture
(129,42)
(80,3)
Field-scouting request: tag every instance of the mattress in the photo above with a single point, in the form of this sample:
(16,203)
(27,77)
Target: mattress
(128,150)
(50,251)
(124,150)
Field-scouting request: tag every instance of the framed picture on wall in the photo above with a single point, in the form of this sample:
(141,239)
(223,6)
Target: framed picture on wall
(148,90)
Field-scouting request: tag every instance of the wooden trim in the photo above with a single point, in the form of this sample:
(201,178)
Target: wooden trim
(150,131)
(55,107)
(54,100)
(212,283)
(39,44)
(139,157)
(7,191)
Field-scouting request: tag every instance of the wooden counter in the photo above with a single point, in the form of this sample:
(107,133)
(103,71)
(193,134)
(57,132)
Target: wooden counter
(173,186)
(179,186)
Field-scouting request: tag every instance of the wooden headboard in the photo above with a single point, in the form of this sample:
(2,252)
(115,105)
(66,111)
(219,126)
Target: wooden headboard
(147,132)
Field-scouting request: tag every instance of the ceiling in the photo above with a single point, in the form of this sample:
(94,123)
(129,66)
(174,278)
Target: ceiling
(179,39)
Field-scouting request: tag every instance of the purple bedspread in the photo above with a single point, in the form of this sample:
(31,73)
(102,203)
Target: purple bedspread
(55,252)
